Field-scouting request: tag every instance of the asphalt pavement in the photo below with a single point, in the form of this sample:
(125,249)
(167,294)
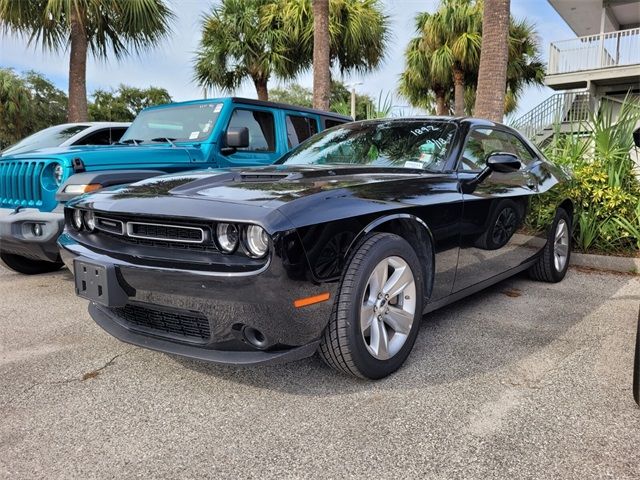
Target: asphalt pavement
(524,380)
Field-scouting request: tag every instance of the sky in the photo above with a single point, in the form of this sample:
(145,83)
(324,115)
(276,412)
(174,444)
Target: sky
(169,65)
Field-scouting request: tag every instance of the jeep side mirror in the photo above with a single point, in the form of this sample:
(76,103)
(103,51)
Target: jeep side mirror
(503,162)
(237,137)
(636,137)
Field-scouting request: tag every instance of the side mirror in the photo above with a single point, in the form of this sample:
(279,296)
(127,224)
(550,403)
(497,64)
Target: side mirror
(237,137)
(636,137)
(503,162)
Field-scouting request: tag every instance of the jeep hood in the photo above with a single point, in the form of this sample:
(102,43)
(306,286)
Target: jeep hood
(112,156)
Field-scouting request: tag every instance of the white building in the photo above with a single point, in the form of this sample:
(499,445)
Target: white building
(602,64)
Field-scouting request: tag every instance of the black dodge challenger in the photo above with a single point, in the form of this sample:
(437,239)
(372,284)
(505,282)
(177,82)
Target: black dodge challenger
(340,247)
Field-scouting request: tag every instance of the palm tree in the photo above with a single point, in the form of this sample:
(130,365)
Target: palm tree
(96,26)
(494,58)
(321,55)
(453,36)
(425,75)
(418,83)
(239,42)
(358,32)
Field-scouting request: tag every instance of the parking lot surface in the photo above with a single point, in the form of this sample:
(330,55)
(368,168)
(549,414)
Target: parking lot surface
(523,380)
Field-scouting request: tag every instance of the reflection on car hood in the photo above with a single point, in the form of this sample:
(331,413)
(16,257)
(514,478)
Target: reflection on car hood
(267,187)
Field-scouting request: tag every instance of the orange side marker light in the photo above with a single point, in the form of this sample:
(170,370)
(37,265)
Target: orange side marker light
(305,302)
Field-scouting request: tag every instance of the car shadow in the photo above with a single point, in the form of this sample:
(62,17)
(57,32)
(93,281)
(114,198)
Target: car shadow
(487,331)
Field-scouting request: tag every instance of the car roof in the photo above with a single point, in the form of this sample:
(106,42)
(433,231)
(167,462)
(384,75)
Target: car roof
(472,121)
(95,124)
(261,103)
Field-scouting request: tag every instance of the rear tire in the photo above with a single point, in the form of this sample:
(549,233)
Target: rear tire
(28,266)
(377,313)
(553,262)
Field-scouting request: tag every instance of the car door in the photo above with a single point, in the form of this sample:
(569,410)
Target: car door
(264,148)
(494,237)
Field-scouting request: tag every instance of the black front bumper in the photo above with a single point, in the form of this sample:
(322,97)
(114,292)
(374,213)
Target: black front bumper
(17,236)
(228,304)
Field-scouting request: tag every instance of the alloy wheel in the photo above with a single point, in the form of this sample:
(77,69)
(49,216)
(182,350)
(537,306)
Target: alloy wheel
(561,245)
(388,308)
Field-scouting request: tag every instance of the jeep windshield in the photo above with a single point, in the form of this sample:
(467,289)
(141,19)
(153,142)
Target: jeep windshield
(422,145)
(184,123)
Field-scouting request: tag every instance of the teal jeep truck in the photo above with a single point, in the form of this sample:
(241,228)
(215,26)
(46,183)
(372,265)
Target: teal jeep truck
(214,133)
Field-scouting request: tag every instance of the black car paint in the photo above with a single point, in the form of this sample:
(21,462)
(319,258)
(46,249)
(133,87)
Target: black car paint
(315,217)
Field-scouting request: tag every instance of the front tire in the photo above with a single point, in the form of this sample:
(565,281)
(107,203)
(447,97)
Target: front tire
(553,263)
(376,316)
(28,266)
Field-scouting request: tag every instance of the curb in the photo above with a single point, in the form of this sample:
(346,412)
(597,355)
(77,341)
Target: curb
(606,262)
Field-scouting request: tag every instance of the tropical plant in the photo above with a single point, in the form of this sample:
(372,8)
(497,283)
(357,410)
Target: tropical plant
(124,103)
(260,39)
(95,26)
(238,43)
(494,59)
(15,108)
(418,84)
(605,187)
(452,35)
(48,100)
(442,62)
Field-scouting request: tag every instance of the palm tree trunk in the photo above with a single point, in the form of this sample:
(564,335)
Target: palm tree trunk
(492,77)
(261,88)
(77,111)
(441,107)
(458,82)
(321,55)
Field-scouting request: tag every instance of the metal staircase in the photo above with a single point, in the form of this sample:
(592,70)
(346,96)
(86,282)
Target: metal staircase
(565,112)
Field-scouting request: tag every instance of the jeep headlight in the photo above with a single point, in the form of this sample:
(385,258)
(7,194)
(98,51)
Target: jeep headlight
(58,174)
(256,241)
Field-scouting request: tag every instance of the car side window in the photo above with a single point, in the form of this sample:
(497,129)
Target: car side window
(99,137)
(482,142)
(262,129)
(299,129)
(328,123)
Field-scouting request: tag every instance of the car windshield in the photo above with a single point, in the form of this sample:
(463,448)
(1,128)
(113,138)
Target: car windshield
(47,138)
(412,144)
(190,123)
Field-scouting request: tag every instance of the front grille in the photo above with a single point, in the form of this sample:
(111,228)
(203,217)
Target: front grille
(169,233)
(177,324)
(154,234)
(20,183)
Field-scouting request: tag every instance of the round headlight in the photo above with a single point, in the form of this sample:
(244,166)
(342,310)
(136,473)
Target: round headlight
(58,174)
(77,219)
(227,236)
(90,221)
(257,241)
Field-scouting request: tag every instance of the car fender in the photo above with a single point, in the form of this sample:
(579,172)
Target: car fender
(424,250)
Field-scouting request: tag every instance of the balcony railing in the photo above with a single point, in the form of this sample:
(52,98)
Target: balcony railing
(595,51)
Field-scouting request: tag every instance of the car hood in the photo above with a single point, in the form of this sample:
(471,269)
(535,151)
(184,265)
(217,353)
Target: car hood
(269,187)
(110,155)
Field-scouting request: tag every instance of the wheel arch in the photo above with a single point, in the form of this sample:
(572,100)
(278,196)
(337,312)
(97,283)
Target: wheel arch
(567,206)
(415,231)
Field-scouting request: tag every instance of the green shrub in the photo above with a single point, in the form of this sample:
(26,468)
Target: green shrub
(605,188)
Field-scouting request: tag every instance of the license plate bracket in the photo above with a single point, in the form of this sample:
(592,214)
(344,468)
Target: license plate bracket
(98,282)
